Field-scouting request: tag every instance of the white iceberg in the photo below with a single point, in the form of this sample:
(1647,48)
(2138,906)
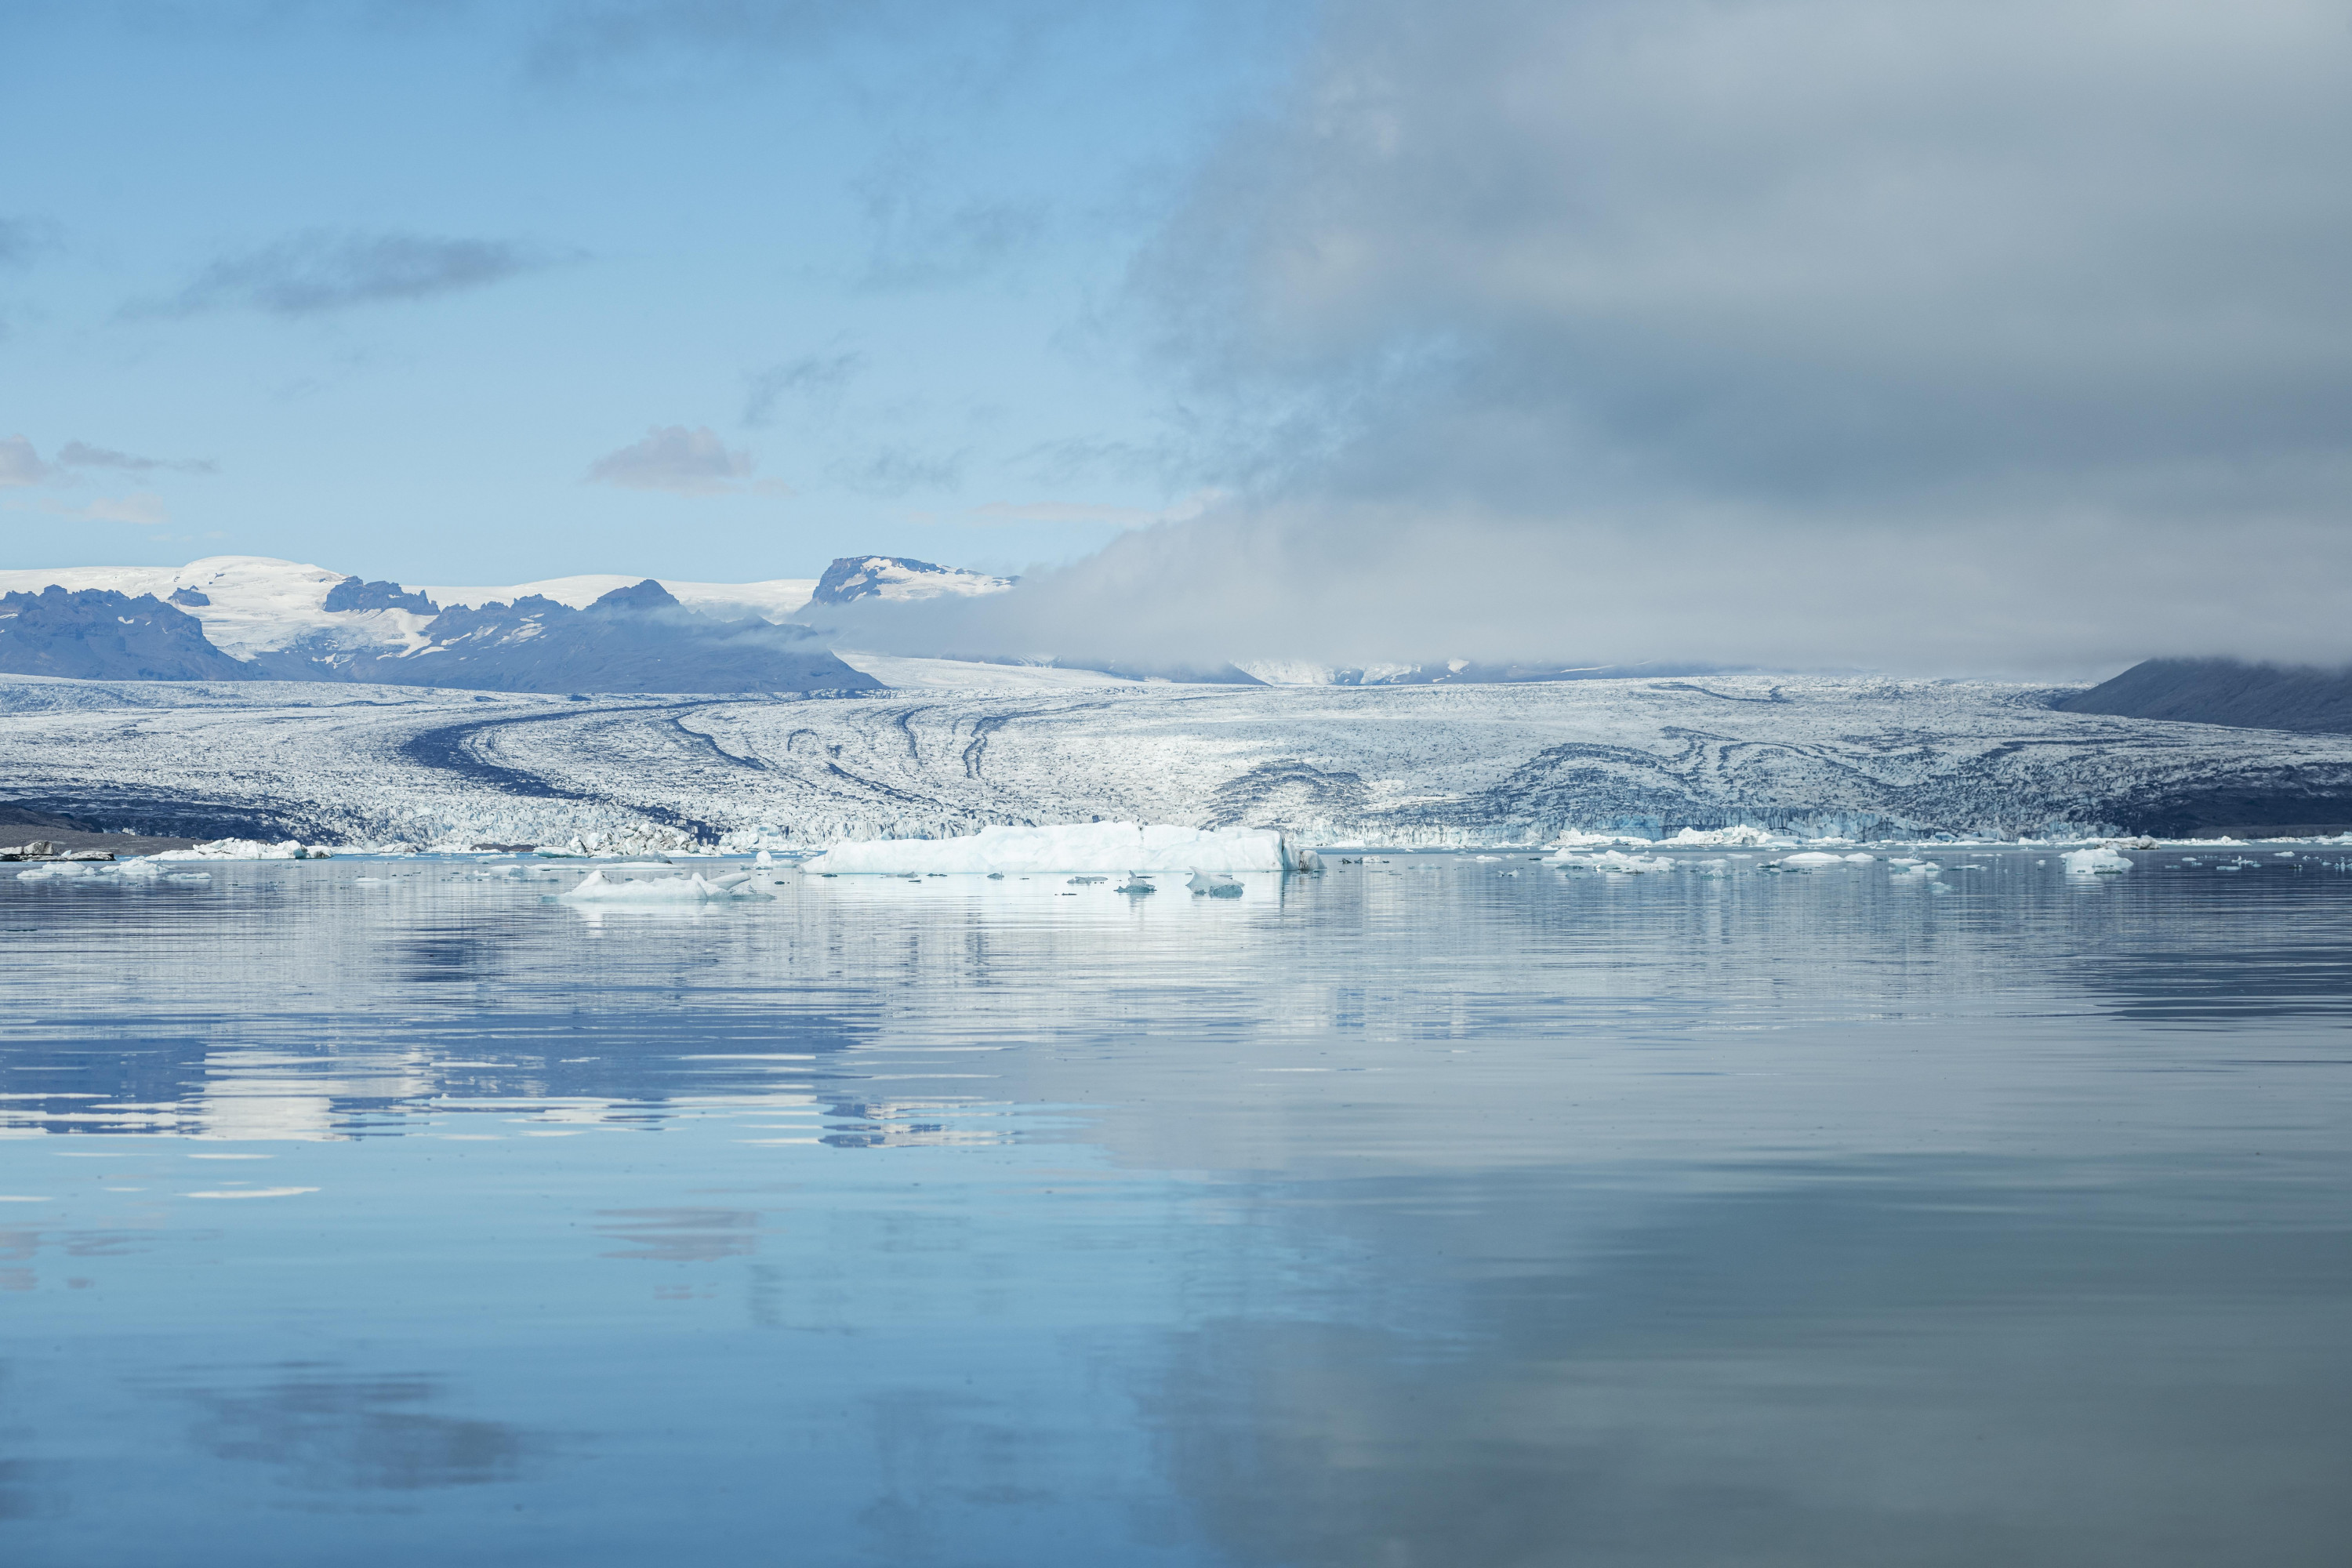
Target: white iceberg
(1103,846)
(1612,862)
(2095,862)
(1811,861)
(595,888)
(1215,884)
(249,850)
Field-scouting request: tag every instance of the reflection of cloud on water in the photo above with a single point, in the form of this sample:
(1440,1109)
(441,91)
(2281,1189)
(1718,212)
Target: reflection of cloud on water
(330,1432)
(1947,1364)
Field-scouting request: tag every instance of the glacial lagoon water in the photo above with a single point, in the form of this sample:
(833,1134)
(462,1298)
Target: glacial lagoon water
(1435,1210)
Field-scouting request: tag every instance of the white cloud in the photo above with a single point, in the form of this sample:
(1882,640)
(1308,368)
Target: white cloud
(140,507)
(677,460)
(1076,512)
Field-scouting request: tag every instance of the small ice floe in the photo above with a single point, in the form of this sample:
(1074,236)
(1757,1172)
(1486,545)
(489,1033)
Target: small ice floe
(1862,859)
(143,872)
(1812,860)
(595,888)
(249,850)
(1914,870)
(2097,861)
(1081,881)
(1215,884)
(1611,862)
(1134,887)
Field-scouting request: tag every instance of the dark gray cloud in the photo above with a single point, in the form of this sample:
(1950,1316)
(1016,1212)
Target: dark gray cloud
(325,270)
(1957,336)
(82,455)
(818,379)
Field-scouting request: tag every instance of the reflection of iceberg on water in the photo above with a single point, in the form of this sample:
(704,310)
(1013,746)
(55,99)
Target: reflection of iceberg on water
(1105,847)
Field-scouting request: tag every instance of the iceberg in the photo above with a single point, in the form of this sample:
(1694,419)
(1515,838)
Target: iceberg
(2095,862)
(1612,862)
(1215,884)
(1811,861)
(249,850)
(1103,846)
(595,889)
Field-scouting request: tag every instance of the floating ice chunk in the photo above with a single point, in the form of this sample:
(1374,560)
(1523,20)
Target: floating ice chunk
(1105,847)
(595,889)
(1741,836)
(1134,888)
(1812,860)
(1215,884)
(1613,862)
(249,850)
(2097,861)
(1917,870)
(1861,860)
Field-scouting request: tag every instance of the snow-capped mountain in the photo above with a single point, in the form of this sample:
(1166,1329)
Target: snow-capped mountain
(854,577)
(251,617)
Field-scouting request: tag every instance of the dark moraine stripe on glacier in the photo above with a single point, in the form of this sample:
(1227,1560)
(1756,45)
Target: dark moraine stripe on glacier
(450,747)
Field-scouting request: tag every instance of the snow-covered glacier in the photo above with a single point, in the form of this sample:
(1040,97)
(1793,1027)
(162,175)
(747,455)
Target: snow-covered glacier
(945,752)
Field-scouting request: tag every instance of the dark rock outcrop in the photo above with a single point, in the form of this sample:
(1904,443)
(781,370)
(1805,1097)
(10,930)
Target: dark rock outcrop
(354,593)
(97,634)
(2225,692)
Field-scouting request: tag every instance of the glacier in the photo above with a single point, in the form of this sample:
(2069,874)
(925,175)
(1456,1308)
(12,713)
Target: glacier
(1727,762)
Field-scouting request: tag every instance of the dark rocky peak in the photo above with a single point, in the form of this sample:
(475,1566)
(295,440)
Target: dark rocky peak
(97,634)
(640,598)
(354,593)
(195,600)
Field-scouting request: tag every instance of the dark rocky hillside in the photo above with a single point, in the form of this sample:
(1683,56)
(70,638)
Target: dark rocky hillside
(2226,691)
(96,634)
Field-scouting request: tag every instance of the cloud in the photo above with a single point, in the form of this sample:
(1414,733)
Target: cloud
(674,458)
(20,465)
(897,470)
(80,455)
(141,508)
(1079,512)
(1957,336)
(326,271)
(818,378)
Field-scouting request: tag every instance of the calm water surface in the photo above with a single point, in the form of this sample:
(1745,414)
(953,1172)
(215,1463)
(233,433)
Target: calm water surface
(1444,1211)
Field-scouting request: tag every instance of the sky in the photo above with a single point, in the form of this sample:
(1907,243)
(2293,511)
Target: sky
(1947,337)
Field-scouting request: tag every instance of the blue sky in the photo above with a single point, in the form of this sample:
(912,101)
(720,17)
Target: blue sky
(382,286)
(1949,336)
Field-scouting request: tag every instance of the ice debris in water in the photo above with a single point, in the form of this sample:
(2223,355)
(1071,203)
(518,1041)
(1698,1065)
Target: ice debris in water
(1612,862)
(595,890)
(1215,884)
(2098,860)
(1105,847)
(249,850)
(141,872)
